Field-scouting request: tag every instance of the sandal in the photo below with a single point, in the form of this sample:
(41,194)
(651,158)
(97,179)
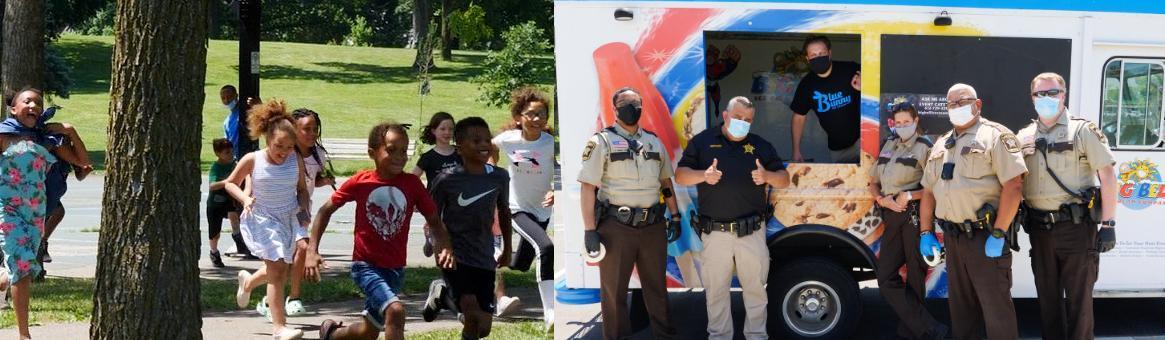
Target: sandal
(329,327)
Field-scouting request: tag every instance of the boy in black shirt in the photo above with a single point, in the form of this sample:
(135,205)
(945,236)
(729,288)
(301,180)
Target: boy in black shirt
(466,198)
(833,90)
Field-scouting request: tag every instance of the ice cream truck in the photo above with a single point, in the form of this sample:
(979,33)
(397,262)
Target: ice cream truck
(687,58)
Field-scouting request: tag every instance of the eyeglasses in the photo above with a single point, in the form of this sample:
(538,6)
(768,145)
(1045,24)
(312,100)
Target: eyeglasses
(960,102)
(1048,93)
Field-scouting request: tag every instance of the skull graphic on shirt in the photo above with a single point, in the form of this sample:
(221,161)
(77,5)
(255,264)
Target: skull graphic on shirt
(385,210)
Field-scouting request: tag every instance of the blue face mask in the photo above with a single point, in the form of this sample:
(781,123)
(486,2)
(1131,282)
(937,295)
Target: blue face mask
(1047,107)
(231,105)
(738,128)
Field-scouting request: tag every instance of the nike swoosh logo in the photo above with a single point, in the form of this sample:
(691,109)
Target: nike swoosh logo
(466,202)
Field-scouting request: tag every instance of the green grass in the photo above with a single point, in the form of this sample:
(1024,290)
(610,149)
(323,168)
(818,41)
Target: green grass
(353,88)
(71,300)
(517,330)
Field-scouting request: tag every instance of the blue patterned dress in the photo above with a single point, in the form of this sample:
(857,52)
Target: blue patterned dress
(23,167)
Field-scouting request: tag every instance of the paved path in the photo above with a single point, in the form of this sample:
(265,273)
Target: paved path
(74,251)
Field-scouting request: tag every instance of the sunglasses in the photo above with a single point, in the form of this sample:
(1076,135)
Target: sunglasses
(536,114)
(1048,93)
(903,106)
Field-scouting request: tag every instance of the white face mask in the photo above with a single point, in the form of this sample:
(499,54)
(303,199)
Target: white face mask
(905,131)
(961,115)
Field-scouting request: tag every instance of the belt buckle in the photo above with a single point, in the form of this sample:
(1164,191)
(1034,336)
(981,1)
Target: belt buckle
(643,218)
(1052,217)
(733,226)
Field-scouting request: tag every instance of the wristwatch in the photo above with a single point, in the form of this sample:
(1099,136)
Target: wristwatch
(1109,223)
(998,233)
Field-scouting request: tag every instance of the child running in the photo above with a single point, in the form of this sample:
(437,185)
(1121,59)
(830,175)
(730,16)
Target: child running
(466,197)
(269,221)
(530,149)
(385,201)
(307,130)
(219,203)
(22,219)
(66,144)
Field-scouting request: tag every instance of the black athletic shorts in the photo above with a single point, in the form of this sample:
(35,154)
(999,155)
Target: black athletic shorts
(466,280)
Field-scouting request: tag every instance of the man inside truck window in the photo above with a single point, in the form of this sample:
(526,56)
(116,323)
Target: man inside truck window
(731,168)
(1064,156)
(832,89)
(972,185)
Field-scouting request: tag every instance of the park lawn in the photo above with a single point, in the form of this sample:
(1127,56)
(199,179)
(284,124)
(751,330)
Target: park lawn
(516,330)
(59,299)
(352,88)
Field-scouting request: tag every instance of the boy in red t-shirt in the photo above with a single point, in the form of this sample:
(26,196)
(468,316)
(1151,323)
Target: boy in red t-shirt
(385,201)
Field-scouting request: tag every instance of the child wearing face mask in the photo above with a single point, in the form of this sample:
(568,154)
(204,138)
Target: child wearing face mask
(270,222)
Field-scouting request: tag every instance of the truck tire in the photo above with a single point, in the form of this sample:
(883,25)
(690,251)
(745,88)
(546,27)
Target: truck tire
(812,298)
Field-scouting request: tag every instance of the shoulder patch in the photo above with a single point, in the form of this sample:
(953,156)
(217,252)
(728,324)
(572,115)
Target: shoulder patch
(587,151)
(1099,134)
(1010,142)
(925,141)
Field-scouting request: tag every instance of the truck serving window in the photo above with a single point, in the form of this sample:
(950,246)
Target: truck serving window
(1132,102)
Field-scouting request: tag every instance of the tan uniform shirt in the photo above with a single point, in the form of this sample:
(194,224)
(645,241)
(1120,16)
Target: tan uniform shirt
(625,175)
(1077,149)
(899,166)
(985,156)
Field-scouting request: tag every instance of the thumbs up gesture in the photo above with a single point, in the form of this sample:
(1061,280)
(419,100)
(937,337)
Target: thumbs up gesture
(759,175)
(712,175)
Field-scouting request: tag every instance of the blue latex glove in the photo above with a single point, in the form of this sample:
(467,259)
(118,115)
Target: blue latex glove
(994,247)
(927,244)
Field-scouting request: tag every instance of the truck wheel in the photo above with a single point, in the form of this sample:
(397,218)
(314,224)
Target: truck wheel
(813,298)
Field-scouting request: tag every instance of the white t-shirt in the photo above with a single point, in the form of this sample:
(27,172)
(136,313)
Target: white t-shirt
(531,171)
(313,168)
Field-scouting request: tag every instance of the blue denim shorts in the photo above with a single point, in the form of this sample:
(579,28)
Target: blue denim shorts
(380,286)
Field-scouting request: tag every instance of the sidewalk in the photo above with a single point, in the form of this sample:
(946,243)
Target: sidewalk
(247,324)
(74,251)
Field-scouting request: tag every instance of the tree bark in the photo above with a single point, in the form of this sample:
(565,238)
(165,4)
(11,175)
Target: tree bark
(147,258)
(422,17)
(24,39)
(446,33)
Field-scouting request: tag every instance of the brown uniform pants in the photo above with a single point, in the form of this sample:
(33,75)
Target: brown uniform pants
(628,247)
(1065,260)
(979,288)
(900,247)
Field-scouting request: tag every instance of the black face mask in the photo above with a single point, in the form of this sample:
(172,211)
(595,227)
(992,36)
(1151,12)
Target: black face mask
(819,65)
(629,113)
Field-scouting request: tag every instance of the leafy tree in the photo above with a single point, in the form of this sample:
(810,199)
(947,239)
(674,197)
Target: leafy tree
(515,65)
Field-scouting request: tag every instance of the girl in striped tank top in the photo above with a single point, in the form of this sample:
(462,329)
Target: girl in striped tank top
(269,222)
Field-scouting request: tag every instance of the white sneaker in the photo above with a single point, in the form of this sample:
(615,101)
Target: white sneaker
(507,305)
(497,247)
(262,309)
(287,333)
(242,296)
(294,307)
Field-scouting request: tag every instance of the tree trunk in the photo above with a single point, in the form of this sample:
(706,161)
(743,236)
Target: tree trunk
(24,38)
(147,258)
(446,33)
(422,17)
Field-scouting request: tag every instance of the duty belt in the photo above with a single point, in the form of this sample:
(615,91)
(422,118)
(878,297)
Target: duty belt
(636,217)
(965,227)
(1071,212)
(741,227)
